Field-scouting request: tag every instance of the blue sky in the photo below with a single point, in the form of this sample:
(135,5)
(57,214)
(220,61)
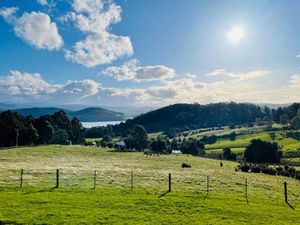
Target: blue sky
(146,53)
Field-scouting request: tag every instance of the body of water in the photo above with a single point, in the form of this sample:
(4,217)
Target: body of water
(99,124)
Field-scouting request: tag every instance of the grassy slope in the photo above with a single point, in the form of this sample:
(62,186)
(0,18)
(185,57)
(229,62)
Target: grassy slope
(288,144)
(112,202)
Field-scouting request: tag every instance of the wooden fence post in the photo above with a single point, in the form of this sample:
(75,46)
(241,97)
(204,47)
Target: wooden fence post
(285,192)
(95,178)
(21,178)
(131,180)
(170,183)
(207,184)
(57,178)
(246,189)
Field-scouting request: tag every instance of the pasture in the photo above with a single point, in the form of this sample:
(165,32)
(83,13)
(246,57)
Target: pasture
(113,201)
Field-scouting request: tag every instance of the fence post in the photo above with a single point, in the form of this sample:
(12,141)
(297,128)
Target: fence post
(246,189)
(21,179)
(95,178)
(170,180)
(57,178)
(285,192)
(131,179)
(207,184)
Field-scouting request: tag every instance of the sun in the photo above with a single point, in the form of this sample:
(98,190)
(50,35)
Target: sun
(235,34)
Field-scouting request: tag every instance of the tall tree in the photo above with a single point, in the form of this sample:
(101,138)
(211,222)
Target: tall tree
(259,151)
(77,136)
(139,137)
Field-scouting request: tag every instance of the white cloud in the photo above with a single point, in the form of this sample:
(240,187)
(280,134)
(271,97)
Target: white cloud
(81,89)
(239,75)
(295,80)
(20,84)
(94,17)
(99,49)
(34,28)
(298,56)
(131,70)
(8,14)
(42,2)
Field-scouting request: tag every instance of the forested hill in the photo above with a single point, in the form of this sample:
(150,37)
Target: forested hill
(97,114)
(192,116)
(92,114)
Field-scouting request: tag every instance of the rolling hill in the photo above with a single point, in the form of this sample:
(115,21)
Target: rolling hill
(194,116)
(92,114)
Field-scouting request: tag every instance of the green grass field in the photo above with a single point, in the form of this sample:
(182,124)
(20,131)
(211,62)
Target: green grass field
(287,144)
(113,202)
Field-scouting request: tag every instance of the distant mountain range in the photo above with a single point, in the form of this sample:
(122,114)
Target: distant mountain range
(129,111)
(91,114)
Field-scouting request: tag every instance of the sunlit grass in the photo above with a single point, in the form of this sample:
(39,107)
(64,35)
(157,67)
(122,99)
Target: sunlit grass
(75,202)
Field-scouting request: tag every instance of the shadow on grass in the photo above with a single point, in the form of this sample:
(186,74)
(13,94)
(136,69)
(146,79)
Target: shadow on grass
(163,194)
(290,205)
(40,191)
(120,151)
(206,195)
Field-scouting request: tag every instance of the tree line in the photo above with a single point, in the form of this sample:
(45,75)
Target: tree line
(49,129)
(180,117)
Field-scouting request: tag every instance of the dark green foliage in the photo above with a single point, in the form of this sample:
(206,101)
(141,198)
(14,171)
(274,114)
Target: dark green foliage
(103,143)
(110,145)
(209,139)
(61,121)
(174,144)
(98,132)
(138,138)
(60,137)
(287,171)
(13,125)
(244,167)
(186,165)
(193,116)
(231,126)
(259,151)
(232,136)
(159,145)
(255,169)
(107,138)
(295,123)
(77,131)
(228,154)
(193,147)
(268,170)
(285,114)
(43,130)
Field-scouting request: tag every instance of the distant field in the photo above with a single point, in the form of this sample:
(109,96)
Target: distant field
(75,202)
(287,144)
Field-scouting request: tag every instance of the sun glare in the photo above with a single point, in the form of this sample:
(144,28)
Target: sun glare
(235,34)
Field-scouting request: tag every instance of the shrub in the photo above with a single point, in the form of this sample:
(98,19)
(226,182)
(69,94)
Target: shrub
(110,145)
(255,169)
(103,143)
(228,154)
(185,165)
(262,152)
(268,170)
(244,167)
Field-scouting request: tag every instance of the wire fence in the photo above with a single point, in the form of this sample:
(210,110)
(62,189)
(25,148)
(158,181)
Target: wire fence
(277,191)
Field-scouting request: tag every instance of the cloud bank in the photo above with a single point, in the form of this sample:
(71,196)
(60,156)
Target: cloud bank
(31,87)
